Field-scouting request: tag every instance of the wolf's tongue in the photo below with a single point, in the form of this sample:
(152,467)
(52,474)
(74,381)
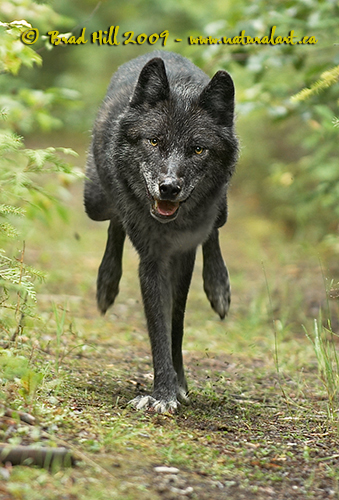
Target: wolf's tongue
(165,207)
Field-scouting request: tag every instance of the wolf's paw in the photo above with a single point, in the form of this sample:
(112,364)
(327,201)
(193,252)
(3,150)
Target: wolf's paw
(106,294)
(218,292)
(107,286)
(153,405)
(183,396)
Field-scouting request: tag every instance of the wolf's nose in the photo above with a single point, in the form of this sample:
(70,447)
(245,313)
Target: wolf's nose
(169,188)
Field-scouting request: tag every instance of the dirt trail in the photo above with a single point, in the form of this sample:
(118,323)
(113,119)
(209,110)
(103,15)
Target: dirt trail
(249,431)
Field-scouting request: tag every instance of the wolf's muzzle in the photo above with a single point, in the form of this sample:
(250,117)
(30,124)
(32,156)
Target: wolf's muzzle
(169,188)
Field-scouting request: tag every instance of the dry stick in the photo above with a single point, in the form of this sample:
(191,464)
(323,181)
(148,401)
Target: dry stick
(20,326)
(24,417)
(21,273)
(323,459)
(33,455)
(29,419)
(47,457)
(79,455)
(22,315)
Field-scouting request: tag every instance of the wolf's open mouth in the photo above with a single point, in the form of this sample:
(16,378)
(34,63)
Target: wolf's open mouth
(164,210)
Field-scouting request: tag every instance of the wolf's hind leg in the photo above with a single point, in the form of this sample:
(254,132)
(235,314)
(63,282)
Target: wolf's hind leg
(97,205)
(215,275)
(110,269)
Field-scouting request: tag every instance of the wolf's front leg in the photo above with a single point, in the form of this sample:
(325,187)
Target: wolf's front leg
(157,297)
(215,275)
(181,274)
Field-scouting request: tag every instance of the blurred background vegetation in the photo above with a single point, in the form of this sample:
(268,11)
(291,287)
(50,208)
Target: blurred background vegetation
(289,155)
(289,147)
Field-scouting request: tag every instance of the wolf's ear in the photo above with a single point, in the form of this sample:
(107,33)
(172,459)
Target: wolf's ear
(152,85)
(217,98)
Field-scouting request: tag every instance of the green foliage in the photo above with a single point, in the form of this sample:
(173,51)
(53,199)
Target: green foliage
(24,173)
(323,341)
(60,324)
(17,368)
(23,196)
(29,109)
(290,145)
(12,53)
(15,275)
(327,79)
(25,109)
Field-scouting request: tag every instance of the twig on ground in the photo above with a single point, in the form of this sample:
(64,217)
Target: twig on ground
(24,417)
(33,455)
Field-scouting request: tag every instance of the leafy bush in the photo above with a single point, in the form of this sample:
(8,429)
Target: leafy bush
(290,158)
(21,194)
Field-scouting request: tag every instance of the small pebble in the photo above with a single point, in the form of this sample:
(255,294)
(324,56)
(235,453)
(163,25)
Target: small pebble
(166,470)
(186,491)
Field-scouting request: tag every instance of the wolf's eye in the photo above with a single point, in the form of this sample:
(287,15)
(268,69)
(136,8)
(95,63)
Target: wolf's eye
(153,141)
(198,150)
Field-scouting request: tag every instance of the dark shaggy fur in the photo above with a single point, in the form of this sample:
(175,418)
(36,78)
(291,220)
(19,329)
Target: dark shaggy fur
(161,158)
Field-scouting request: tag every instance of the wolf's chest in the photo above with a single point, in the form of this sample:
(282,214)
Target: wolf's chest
(164,244)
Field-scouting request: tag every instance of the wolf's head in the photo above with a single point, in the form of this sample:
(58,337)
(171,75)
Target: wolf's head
(177,136)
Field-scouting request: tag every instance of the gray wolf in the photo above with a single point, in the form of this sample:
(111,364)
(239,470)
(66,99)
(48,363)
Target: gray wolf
(162,155)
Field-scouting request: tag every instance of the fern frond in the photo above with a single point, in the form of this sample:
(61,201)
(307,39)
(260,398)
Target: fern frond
(8,230)
(327,79)
(10,209)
